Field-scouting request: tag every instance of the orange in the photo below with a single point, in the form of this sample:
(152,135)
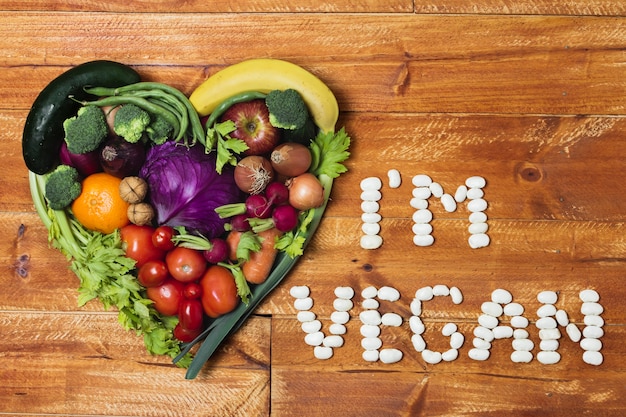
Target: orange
(99,206)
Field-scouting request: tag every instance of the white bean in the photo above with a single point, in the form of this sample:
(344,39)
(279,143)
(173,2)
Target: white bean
(513,309)
(371,217)
(519,322)
(593,321)
(421,180)
(476,228)
(591,308)
(417,325)
(478,217)
(562,317)
(456,340)
(479,343)
(479,240)
(450,355)
(323,352)
(299,291)
(371,183)
(448,202)
(431,356)
(501,296)
(390,355)
(488,321)
(312,326)
(395,180)
(546,310)
(370,206)
(423,240)
(521,356)
(388,293)
(370,303)
(422,193)
(441,290)
(422,216)
(548,357)
(523,344)
(492,308)
(593,357)
(371,343)
(371,195)
(418,343)
(589,296)
(314,339)
(456,295)
(436,189)
(368,330)
(337,328)
(302,304)
(479,354)
(588,343)
(461,194)
(520,334)
(546,323)
(391,319)
(547,297)
(371,242)
(370,228)
(550,344)
(333,341)
(370,317)
(484,333)
(549,334)
(424,293)
(474,193)
(340,317)
(344,292)
(304,316)
(418,203)
(369,292)
(416,307)
(502,332)
(341,304)
(370,355)
(475,182)
(448,329)
(477,205)
(422,229)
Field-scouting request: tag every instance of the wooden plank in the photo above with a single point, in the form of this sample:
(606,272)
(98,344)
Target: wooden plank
(86,364)
(533,7)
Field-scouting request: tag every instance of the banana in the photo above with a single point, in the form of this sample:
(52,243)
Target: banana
(264,75)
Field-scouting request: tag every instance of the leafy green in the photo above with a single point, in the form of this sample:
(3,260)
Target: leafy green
(227,148)
(329,151)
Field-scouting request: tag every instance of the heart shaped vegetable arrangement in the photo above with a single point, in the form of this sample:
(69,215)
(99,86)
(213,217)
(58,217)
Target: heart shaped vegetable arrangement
(225,190)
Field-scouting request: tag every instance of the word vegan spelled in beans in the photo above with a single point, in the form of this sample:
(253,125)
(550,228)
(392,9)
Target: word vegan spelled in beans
(550,321)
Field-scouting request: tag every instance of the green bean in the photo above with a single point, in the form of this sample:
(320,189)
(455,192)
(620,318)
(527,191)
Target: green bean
(226,104)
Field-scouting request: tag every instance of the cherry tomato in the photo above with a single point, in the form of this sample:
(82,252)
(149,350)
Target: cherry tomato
(153,273)
(162,238)
(138,244)
(190,314)
(185,264)
(167,296)
(192,290)
(219,291)
(185,335)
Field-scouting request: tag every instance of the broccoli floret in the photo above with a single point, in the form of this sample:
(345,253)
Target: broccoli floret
(159,130)
(287,109)
(130,122)
(85,131)
(304,135)
(62,187)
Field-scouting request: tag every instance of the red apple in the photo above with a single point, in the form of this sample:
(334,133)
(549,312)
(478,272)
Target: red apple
(252,121)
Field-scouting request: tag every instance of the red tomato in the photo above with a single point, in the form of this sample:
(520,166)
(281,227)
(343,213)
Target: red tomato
(162,238)
(190,314)
(138,244)
(185,264)
(167,296)
(192,290)
(219,291)
(153,273)
(185,335)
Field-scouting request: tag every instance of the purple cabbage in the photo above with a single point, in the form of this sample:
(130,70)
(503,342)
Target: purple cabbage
(185,189)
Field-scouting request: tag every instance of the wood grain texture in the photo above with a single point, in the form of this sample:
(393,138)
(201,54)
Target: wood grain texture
(529,95)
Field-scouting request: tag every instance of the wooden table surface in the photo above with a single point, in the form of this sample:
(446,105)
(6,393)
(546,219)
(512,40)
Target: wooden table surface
(530,95)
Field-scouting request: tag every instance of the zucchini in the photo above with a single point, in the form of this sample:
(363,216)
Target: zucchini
(43,129)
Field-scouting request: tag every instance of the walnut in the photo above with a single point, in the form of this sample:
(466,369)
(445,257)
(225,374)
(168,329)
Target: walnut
(140,214)
(133,189)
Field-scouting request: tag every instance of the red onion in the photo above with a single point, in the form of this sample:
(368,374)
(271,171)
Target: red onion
(85,163)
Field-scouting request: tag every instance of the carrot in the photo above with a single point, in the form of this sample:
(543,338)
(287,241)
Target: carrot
(258,267)
(232,240)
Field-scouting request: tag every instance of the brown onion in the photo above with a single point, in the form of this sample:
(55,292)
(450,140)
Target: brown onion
(291,159)
(253,173)
(305,192)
